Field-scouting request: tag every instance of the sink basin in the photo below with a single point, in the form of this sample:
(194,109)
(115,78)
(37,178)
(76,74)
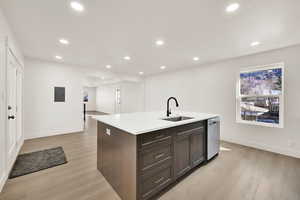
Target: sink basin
(177,119)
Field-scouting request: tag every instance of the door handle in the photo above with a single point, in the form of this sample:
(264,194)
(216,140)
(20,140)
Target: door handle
(9,107)
(212,123)
(11,117)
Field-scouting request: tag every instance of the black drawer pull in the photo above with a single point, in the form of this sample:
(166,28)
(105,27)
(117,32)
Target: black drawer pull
(159,156)
(159,180)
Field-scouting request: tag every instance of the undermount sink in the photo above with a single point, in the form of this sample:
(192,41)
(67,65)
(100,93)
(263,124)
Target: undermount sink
(177,119)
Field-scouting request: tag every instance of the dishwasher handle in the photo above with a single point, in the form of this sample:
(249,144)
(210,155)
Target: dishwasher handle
(213,121)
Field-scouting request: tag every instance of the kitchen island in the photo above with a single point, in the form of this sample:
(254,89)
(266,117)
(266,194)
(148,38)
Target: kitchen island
(140,154)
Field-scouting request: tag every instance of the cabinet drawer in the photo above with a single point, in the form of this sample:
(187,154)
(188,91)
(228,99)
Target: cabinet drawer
(154,183)
(188,127)
(150,139)
(152,156)
(187,133)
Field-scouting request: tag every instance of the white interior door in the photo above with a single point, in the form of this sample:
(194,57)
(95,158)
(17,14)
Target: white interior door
(11,110)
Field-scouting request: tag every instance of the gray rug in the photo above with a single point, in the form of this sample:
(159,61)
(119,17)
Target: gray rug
(36,161)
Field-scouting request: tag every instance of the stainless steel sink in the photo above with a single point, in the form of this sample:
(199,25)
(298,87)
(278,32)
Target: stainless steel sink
(177,119)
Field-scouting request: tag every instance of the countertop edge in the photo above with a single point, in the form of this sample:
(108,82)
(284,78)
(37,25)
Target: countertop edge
(170,125)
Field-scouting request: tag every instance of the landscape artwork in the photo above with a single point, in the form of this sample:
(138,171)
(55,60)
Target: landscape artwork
(262,82)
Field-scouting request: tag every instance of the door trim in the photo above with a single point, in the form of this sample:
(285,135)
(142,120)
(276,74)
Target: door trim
(9,163)
(4,42)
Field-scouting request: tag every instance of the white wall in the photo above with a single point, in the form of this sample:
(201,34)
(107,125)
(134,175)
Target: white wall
(5,32)
(211,88)
(105,98)
(91,104)
(132,97)
(44,117)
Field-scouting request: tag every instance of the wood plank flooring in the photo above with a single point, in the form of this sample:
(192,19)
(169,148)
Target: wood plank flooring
(238,173)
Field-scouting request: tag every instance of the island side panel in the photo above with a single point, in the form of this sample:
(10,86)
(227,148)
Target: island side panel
(100,132)
(117,158)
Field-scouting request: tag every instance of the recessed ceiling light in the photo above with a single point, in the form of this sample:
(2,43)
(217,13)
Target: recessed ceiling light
(196,58)
(102,77)
(64,41)
(159,42)
(58,57)
(77,6)
(126,58)
(163,67)
(232,7)
(141,73)
(256,43)
(108,66)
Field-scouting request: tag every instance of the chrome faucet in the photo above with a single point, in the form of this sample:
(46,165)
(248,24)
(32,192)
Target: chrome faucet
(168,107)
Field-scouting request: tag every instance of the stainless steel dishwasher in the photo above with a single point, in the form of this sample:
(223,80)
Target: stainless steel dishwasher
(213,137)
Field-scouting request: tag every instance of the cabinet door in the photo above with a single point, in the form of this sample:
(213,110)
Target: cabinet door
(182,154)
(197,147)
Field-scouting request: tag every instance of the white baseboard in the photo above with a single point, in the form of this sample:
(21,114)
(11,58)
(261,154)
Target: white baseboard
(279,150)
(47,133)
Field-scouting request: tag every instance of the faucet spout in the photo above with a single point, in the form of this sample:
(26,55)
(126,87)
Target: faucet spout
(168,106)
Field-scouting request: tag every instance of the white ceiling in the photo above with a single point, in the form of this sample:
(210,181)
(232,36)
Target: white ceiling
(109,30)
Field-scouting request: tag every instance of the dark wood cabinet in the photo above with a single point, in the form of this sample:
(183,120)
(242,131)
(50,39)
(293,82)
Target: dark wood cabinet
(189,149)
(100,131)
(197,147)
(117,160)
(155,179)
(140,166)
(182,162)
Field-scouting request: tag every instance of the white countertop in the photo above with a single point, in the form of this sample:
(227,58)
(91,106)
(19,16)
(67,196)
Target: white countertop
(143,122)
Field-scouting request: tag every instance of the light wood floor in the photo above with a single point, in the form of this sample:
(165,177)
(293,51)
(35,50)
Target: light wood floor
(238,173)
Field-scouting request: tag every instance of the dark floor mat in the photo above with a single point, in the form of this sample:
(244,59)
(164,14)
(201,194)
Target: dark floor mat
(39,160)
